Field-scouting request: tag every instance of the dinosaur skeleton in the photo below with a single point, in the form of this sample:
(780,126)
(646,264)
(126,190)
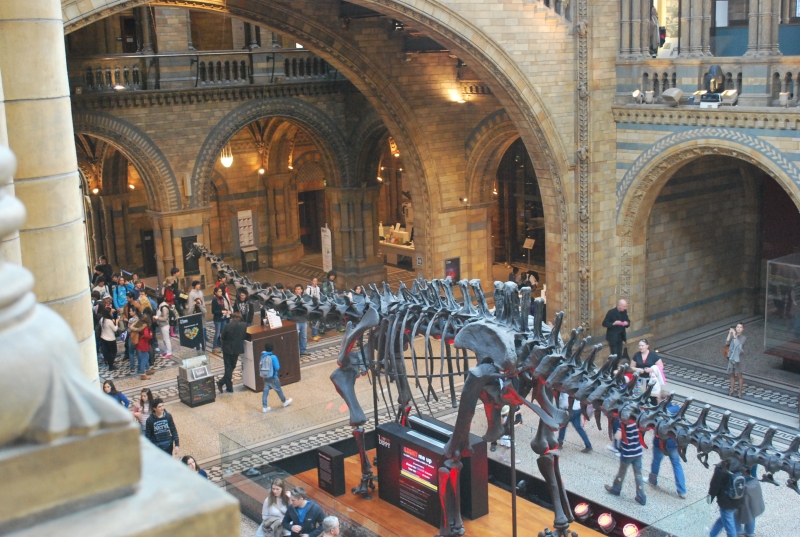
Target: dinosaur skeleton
(504,344)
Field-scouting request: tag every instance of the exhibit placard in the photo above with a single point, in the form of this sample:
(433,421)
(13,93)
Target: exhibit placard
(330,470)
(190,330)
(452,268)
(327,249)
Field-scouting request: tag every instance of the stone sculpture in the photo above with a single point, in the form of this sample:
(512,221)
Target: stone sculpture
(502,344)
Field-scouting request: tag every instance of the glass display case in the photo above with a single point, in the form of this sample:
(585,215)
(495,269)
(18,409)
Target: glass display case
(782,310)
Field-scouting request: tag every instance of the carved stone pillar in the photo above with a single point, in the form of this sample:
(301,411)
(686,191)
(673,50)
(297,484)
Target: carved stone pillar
(696,25)
(752,28)
(775,21)
(144,23)
(686,28)
(625,29)
(40,132)
(354,230)
(283,245)
(764,27)
(166,245)
(636,29)
(706,48)
(645,31)
(157,239)
(109,237)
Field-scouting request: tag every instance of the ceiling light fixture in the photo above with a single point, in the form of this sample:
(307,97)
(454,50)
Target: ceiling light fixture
(226,156)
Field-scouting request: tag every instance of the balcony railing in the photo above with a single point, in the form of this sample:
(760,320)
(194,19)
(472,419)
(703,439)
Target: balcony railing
(759,81)
(134,72)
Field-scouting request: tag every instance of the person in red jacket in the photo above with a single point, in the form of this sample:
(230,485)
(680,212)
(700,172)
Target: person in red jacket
(143,346)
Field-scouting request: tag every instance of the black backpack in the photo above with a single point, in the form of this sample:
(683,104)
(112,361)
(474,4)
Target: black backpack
(736,485)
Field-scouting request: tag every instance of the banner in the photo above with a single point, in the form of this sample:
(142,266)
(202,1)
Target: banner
(190,330)
(327,250)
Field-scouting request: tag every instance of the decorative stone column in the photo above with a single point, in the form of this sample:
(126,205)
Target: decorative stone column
(37,107)
(354,231)
(166,246)
(283,245)
(625,29)
(76,462)
(764,19)
(126,229)
(636,29)
(110,240)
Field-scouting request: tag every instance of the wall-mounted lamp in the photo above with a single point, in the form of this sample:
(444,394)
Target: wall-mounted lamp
(462,200)
(380,179)
(226,157)
(131,187)
(95,191)
(261,171)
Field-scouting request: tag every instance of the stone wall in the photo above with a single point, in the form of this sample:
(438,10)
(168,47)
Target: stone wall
(211,31)
(695,245)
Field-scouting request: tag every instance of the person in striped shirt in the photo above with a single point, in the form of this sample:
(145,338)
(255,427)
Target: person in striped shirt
(631,449)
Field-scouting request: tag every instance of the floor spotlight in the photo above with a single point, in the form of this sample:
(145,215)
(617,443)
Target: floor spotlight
(637,96)
(582,511)
(606,522)
(630,530)
(649,96)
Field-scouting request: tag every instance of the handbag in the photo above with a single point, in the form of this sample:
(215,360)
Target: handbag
(726,350)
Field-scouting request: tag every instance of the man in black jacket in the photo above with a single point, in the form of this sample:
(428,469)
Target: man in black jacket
(232,339)
(616,322)
(303,517)
(718,488)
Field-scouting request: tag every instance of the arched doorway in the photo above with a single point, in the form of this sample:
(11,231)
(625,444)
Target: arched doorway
(518,223)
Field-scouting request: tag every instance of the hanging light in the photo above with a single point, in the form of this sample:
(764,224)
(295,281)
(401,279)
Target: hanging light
(131,187)
(393,147)
(261,171)
(95,190)
(226,157)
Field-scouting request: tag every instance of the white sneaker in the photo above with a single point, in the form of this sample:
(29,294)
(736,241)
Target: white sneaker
(287,402)
(266,409)
(612,447)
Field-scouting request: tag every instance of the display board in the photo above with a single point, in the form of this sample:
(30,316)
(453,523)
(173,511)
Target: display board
(190,330)
(330,470)
(197,392)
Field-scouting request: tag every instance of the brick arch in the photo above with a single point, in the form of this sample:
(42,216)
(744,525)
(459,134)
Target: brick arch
(321,129)
(485,147)
(641,184)
(163,193)
(494,64)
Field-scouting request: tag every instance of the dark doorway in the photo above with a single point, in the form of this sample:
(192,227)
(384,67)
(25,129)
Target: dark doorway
(149,253)
(519,215)
(191,265)
(128,31)
(311,208)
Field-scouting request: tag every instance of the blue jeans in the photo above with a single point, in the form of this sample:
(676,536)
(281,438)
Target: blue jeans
(218,326)
(315,329)
(575,420)
(275,384)
(132,356)
(302,334)
(674,458)
(144,361)
(726,521)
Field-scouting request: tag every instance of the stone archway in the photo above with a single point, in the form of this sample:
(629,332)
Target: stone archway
(642,183)
(163,193)
(511,86)
(486,145)
(325,134)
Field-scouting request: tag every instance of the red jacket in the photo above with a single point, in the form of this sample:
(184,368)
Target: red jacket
(144,340)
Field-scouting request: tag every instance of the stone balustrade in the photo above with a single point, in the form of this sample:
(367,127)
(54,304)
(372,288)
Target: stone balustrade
(758,81)
(137,72)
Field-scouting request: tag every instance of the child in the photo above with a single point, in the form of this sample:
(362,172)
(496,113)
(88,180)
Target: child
(268,368)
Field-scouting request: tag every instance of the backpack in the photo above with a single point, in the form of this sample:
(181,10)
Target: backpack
(736,485)
(265,365)
(172,314)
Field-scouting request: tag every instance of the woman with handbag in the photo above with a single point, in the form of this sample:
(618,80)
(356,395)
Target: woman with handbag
(735,343)
(274,510)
